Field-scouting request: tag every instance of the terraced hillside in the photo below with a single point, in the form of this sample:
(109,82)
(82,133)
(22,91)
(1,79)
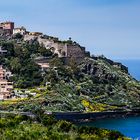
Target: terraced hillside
(96,84)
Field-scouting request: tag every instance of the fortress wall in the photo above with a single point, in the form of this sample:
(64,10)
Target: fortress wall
(75,51)
(62,49)
(29,37)
(46,42)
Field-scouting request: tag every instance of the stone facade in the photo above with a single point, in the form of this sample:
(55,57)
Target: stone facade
(75,51)
(9,26)
(47,43)
(4,32)
(28,37)
(62,49)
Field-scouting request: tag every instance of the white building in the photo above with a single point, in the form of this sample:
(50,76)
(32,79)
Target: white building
(2,51)
(21,30)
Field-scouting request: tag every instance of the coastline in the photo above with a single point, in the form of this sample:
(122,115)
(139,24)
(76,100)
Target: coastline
(77,117)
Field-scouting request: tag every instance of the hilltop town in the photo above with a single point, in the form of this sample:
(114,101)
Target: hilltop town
(41,71)
(63,49)
(66,48)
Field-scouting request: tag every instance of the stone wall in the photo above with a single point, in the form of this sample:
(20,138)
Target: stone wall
(75,51)
(45,42)
(4,32)
(58,47)
(29,37)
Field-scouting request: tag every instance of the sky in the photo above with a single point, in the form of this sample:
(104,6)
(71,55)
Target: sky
(108,27)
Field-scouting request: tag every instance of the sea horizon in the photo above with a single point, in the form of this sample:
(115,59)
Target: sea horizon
(133,66)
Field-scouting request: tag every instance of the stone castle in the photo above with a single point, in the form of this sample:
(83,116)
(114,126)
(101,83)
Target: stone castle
(64,49)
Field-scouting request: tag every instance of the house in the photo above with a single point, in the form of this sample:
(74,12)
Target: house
(2,51)
(35,33)
(7,26)
(20,30)
(6,87)
(2,73)
(44,66)
(43,63)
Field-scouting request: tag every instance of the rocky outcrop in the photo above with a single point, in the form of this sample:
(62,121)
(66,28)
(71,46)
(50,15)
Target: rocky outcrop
(111,62)
(98,71)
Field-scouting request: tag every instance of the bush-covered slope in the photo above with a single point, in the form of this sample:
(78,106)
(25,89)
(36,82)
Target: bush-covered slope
(94,84)
(23,128)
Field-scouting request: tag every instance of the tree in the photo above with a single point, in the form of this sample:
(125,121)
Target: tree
(56,62)
(73,65)
(15,65)
(18,36)
(18,51)
(44,52)
(51,76)
(9,46)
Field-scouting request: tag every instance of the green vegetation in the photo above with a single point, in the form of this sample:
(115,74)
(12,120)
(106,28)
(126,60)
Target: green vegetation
(95,84)
(20,61)
(24,128)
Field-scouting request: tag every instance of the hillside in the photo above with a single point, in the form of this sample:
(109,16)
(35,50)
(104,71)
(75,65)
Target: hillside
(24,128)
(91,84)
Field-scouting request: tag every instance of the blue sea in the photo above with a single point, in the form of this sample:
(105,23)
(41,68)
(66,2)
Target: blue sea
(130,126)
(133,67)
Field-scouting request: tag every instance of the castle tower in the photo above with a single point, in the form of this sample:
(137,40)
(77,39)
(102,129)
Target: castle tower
(7,26)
